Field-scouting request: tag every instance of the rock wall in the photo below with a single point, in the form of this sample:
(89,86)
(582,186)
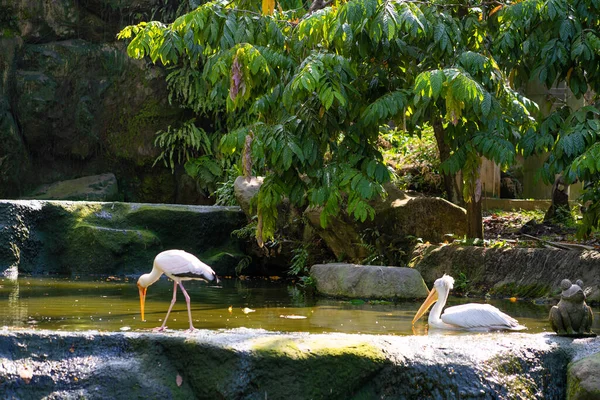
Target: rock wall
(510,272)
(72,103)
(256,364)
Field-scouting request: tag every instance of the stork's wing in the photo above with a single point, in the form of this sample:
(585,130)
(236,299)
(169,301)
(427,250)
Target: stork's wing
(479,316)
(178,263)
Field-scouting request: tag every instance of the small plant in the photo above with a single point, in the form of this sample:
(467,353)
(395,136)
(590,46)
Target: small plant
(182,144)
(498,244)
(470,242)
(307,282)
(247,231)
(373,255)
(300,261)
(461,283)
(369,237)
(242,265)
(9,26)
(225,194)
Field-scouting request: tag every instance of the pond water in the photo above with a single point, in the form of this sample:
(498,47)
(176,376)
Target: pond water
(112,304)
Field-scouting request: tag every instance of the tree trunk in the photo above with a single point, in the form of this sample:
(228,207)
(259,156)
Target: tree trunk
(451,186)
(559,211)
(474,219)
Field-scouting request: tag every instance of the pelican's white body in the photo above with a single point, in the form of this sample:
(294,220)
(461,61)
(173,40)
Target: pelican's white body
(475,317)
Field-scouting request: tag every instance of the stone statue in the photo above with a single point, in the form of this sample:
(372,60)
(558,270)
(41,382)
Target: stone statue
(572,316)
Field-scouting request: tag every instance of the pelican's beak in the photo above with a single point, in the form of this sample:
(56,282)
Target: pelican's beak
(142,299)
(432,298)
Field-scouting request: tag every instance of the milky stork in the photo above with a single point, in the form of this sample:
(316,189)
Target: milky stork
(472,316)
(179,266)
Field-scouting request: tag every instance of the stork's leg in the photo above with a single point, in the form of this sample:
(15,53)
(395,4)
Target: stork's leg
(187,300)
(162,328)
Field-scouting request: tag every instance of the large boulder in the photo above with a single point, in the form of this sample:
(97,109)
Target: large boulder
(87,238)
(397,217)
(91,188)
(583,379)
(368,281)
(245,189)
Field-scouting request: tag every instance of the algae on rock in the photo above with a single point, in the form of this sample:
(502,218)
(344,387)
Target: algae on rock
(116,238)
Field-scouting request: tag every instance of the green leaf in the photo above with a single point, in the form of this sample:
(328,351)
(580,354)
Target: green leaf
(486,104)
(436,81)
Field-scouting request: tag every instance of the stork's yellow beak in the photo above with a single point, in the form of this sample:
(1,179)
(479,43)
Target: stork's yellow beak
(142,299)
(432,298)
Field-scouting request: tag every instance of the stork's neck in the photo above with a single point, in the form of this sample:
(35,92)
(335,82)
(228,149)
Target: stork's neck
(148,279)
(435,319)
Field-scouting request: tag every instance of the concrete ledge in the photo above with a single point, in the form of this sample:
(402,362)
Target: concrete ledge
(515,204)
(256,364)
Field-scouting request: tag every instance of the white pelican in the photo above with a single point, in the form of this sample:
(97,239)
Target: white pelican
(179,266)
(475,317)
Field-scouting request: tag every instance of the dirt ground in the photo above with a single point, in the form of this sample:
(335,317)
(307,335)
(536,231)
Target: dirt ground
(528,229)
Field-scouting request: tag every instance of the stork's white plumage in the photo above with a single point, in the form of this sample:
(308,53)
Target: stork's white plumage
(179,266)
(472,316)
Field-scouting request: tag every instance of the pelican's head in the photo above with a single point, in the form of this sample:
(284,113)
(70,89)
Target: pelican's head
(441,285)
(142,285)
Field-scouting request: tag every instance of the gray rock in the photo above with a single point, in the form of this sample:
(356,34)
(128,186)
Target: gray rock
(245,190)
(584,379)
(90,188)
(368,281)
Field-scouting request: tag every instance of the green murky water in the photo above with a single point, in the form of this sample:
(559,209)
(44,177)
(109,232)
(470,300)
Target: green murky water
(111,304)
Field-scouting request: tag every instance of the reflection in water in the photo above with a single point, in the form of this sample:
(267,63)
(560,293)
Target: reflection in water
(17,308)
(112,304)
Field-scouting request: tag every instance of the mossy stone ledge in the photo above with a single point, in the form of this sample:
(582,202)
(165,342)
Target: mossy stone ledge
(257,364)
(88,238)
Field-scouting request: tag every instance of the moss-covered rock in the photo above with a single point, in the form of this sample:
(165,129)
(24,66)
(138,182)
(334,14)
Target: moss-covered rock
(312,367)
(584,379)
(14,158)
(113,238)
(84,107)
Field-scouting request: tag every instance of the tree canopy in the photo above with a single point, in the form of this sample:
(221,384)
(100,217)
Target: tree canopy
(559,42)
(304,92)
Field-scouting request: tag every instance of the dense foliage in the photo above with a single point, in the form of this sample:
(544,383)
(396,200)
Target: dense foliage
(305,93)
(559,42)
